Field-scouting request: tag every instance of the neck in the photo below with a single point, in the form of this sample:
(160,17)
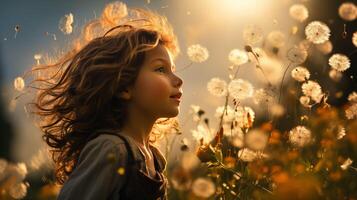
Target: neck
(139,126)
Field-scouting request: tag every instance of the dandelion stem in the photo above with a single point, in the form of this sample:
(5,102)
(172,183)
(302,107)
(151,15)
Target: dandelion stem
(187,66)
(282,81)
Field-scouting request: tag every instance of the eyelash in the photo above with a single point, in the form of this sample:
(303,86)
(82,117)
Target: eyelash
(160,68)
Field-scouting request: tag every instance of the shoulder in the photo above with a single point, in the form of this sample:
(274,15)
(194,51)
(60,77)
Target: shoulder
(159,157)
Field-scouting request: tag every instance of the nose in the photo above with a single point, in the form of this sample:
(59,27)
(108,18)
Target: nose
(177,81)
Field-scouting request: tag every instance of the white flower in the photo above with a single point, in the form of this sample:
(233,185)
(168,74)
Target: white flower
(325,47)
(297,55)
(203,187)
(18,191)
(348,11)
(339,62)
(204,133)
(256,139)
(346,164)
(217,87)
(247,155)
(305,101)
(244,116)
(335,75)
(300,74)
(313,90)
(300,136)
(113,13)
(352,97)
(240,89)
(276,39)
(197,53)
(228,116)
(238,57)
(299,12)
(354,39)
(351,111)
(65,24)
(252,34)
(317,32)
(261,96)
(19,83)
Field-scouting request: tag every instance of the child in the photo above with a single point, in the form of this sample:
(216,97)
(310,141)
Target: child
(98,109)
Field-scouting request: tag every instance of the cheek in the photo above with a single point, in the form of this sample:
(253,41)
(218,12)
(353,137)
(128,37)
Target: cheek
(154,86)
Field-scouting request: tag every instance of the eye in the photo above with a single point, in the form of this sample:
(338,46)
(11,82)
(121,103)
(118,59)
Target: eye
(161,69)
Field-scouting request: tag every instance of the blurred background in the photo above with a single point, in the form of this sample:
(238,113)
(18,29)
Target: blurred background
(28,28)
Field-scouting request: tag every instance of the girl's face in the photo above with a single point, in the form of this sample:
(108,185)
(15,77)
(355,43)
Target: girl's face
(157,90)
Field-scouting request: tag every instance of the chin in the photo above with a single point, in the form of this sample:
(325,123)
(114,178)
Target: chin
(171,113)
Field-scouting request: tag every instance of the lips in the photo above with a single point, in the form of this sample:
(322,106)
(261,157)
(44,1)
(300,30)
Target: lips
(176,96)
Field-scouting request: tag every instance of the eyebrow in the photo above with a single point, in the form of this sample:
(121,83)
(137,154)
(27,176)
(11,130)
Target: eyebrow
(165,61)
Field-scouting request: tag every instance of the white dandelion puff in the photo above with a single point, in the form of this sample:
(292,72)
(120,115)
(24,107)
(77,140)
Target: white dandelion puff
(300,136)
(354,39)
(348,162)
(348,11)
(300,74)
(299,12)
(197,53)
(313,90)
(202,132)
(217,87)
(238,57)
(351,111)
(18,191)
(256,140)
(305,101)
(65,24)
(317,32)
(339,62)
(297,55)
(19,83)
(203,187)
(252,34)
(244,116)
(240,89)
(276,39)
(228,115)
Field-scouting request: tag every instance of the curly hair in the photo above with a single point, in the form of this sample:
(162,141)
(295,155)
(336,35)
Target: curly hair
(77,96)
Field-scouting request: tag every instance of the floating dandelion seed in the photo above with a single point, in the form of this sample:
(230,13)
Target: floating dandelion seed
(238,57)
(335,75)
(299,12)
(354,39)
(37,57)
(325,47)
(317,32)
(352,97)
(217,87)
(252,34)
(65,24)
(351,111)
(348,11)
(19,84)
(300,74)
(203,187)
(276,39)
(18,191)
(348,162)
(305,101)
(113,13)
(240,89)
(197,53)
(339,62)
(297,55)
(256,140)
(247,155)
(17,29)
(341,132)
(300,136)
(313,90)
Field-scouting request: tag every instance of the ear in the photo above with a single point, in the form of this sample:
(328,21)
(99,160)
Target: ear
(126,94)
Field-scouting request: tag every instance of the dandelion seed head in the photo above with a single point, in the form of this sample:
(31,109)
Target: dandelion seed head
(297,55)
(351,111)
(300,74)
(339,62)
(299,12)
(240,89)
(317,32)
(202,132)
(348,11)
(19,83)
(276,39)
(18,191)
(244,116)
(238,57)
(65,24)
(252,34)
(256,140)
(203,187)
(217,87)
(300,136)
(305,101)
(197,53)
(313,90)
(352,97)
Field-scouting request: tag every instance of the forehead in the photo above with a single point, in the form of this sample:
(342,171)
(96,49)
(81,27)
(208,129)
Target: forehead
(157,53)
